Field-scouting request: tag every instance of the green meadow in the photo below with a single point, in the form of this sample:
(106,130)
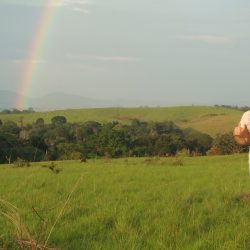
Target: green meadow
(211,120)
(128,203)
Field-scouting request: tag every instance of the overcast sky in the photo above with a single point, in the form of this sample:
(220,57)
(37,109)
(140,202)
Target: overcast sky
(163,52)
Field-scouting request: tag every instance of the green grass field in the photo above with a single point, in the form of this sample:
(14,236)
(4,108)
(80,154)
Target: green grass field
(211,120)
(146,203)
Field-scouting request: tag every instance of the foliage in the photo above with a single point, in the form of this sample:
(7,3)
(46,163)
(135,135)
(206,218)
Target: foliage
(69,151)
(241,108)
(58,120)
(10,127)
(226,144)
(17,111)
(20,163)
(67,141)
(206,119)
(197,142)
(40,122)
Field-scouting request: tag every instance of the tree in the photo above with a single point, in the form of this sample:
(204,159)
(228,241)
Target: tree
(8,142)
(226,145)
(10,127)
(197,142)
(168,144)
(29,110)
(69,151)
(16,111)
(40,122)
(37,139)
(59,120)
(113,141)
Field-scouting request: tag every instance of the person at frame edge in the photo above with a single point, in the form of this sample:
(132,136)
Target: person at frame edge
(242,131)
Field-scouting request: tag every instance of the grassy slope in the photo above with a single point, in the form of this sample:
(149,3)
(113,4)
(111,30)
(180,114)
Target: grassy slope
(210,120)
(137,203)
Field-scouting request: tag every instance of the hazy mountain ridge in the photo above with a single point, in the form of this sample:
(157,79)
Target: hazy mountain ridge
(51,101)
(59,100)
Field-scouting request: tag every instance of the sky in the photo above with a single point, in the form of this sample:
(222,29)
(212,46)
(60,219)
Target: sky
(159,52)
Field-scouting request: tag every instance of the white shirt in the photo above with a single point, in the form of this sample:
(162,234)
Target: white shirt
(245,120)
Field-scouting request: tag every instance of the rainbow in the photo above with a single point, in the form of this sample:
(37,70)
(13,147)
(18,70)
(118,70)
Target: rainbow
(35,53)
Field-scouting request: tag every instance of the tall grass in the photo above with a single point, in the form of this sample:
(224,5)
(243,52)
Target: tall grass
(147,203)
(22,238)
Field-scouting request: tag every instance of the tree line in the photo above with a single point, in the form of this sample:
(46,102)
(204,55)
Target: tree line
(236,107)
(61,140)
(17,111)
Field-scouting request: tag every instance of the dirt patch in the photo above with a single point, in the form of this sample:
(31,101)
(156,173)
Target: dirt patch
(242,198)
(184,120)
(212,115)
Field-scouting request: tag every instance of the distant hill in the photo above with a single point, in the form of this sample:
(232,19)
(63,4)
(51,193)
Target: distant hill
(211,120)
(58,100)
(64,101)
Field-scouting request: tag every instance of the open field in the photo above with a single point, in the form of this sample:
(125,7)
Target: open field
(211,120)
(146,203)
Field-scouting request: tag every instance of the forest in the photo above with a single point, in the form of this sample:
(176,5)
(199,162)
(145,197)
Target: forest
(61,140)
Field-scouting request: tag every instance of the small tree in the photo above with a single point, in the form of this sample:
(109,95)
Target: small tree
(226,145)
(59,120)
(10,127)
(40,122)
(16,111)
(197,142)
(30,110)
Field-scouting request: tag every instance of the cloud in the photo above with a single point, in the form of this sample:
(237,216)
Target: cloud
(70,2)
(102,58)
(115,58)
(210,39)
(75,5)
(77,9)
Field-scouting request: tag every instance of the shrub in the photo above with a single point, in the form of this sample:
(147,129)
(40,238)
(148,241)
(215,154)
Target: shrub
(225,144)
(20,163)
(59,120)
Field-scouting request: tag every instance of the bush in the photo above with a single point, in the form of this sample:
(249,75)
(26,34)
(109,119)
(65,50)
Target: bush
(59,120)
(225,144)
(20,163)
